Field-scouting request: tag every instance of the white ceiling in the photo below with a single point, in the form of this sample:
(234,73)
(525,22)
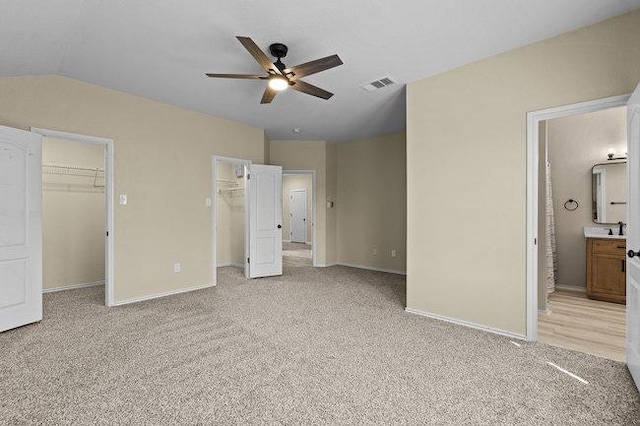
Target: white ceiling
(160,49)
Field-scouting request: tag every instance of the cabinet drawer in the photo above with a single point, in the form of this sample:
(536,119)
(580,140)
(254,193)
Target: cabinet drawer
(609,246)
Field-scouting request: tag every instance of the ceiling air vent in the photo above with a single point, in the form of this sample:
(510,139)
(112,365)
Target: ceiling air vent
(379,84)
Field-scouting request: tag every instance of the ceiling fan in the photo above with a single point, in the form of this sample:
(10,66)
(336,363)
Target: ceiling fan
(279,76)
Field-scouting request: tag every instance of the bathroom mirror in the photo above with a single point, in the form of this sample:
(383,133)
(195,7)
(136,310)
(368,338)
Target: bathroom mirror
(609,194)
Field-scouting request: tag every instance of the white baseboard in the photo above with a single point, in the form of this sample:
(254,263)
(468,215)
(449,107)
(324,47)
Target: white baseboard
(544,311)
(72,286)
(324,265)
(572,288)
(467,324)
(286,241)
(164,294)
(371,268)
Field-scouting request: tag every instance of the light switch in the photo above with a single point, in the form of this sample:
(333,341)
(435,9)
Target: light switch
(123,199)
(207,202)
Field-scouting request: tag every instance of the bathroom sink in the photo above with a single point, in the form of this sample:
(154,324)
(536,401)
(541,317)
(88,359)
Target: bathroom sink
(603,232)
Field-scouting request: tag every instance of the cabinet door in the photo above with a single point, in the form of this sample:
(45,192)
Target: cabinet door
(609,275)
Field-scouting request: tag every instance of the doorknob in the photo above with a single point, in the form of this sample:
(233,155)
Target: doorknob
(280,226)
(632,253)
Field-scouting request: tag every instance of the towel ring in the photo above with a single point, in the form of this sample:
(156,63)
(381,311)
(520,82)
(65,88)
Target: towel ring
(570,203)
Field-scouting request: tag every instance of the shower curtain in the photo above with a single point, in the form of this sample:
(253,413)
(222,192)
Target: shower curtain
(551,257)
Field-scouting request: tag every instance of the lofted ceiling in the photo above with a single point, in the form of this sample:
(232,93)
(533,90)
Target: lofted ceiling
(160,49)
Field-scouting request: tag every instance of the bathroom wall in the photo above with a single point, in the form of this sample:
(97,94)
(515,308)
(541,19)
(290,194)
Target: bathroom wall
(575,145)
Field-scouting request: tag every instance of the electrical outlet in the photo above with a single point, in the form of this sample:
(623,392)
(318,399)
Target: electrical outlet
(122,199)
(393,253)
(177,267)
(374,252)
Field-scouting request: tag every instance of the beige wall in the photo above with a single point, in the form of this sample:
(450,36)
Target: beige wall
(575,145)
(289,183)
(466,165)
(372,202)
(73,215)
(267,149)
(312,155)
(231,218)
(162,162)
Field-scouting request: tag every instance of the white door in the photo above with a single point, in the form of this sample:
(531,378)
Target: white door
(298,215)
(633,238)
(20,228)
(265,221)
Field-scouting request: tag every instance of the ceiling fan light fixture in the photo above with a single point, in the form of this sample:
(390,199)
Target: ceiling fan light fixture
(278,83)
(278,75)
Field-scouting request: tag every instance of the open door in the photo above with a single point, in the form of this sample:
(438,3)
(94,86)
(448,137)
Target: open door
(633,238)
(20,228)
(265,221)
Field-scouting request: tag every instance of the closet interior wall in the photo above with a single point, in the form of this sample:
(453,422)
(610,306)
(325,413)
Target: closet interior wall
(231,215)
(73,213)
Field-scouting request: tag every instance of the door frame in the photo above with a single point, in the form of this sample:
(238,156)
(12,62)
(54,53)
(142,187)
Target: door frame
(313,205)
(214,212)
(109,280)
(291,192)
(533,120)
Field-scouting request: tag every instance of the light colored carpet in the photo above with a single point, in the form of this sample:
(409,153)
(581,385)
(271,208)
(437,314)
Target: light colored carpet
(316,346)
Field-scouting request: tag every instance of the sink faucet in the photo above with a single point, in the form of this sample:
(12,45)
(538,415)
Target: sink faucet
(621,223)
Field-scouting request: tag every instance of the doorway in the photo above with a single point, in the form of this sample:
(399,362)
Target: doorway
(537,221)
(77,207)
(582,212)
(298,236)
(230,214)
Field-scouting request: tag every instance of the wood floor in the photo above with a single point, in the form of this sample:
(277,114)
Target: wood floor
(585,325)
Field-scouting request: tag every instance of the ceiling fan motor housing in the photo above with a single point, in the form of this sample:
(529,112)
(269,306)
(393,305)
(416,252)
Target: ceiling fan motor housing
(278,50)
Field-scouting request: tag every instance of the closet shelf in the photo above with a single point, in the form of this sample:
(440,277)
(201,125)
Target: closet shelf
(228,186)
(97,174)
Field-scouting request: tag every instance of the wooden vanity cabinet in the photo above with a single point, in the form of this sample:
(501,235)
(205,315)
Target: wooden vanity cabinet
(606,269)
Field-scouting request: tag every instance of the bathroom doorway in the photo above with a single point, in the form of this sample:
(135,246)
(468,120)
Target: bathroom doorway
(581,209)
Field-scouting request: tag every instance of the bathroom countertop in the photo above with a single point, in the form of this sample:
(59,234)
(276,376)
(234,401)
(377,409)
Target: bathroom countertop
(603,232)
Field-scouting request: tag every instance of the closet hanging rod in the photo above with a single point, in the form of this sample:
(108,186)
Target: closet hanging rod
(72,171)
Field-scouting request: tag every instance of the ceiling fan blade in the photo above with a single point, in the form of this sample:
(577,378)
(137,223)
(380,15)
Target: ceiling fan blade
(310,89)
(268,95)
(258,54)
(313,67)
(244,76)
